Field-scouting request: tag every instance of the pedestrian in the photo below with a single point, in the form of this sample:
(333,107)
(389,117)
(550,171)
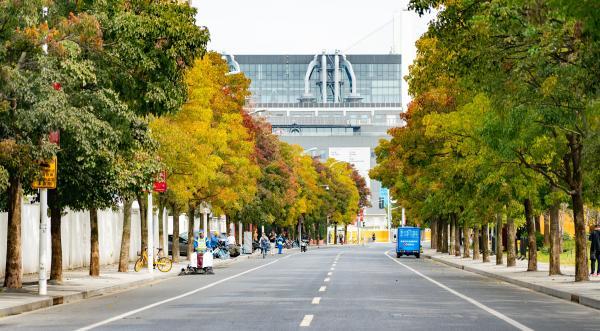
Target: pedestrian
(373,236)
(264,244)
(200,248)
(279,244)
(272,238)
(595,250)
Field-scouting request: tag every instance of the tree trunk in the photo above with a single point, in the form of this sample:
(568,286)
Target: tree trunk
(476,255)
(56,274)
(547,229)
(466,240)
(126,236)
(456,237)
(554,220)
(346,234)
(451,235)
(485,242)
(511,255)
(498,235)
(531,247)
(95,246)
(161,215)
(445,237)
(318,233)
(190,234)
(14,266)
(440,234)
(175,243)
(335,237)
(433,233)
(581,262)
(142,202)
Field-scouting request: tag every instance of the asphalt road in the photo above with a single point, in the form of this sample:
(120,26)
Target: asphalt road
(349,288)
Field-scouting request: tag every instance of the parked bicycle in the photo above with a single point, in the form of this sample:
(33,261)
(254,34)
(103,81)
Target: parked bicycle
(163,264)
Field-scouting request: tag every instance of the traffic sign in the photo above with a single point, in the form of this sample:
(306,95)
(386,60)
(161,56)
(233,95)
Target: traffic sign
(48,175)
(160,185)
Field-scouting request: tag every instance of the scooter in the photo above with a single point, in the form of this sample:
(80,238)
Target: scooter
(204,260)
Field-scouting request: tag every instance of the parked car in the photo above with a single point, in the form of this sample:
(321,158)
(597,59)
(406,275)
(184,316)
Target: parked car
(182,244)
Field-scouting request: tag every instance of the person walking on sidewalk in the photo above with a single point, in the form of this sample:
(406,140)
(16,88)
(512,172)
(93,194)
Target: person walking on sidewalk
(595,250)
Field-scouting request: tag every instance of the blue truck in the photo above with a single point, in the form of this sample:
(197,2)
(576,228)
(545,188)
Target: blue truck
(408,241)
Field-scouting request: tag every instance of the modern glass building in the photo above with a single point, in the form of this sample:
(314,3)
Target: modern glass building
(333,105)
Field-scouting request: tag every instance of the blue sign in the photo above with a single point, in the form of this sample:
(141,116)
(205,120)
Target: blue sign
(384,194)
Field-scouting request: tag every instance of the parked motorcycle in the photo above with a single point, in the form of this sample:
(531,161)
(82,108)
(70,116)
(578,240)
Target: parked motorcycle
(221,251)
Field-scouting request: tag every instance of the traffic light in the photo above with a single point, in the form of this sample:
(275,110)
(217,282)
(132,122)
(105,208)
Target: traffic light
(381,204)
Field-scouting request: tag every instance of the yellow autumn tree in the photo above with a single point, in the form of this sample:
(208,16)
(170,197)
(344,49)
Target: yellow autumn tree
(206,147)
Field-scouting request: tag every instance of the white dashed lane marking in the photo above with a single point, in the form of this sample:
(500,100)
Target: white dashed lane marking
(306,320)
(316,300)
(329,273)
(322,288)
(326,280)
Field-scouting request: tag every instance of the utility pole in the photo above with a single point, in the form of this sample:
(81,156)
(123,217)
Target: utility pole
(327,240)
(389,223)
(43,240)
(150,226)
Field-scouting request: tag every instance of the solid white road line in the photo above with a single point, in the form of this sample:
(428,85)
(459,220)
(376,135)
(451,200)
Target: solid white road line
(326,280)
(329,273)
(135,311)
(466,298)
(306,320)
(322,288)
(316,300)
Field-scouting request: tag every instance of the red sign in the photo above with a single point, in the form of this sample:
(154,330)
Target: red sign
(54,137)
(160,185)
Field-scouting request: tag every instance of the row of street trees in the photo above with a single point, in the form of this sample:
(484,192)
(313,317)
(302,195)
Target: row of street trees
(218,155)
(130,89)
(503,126)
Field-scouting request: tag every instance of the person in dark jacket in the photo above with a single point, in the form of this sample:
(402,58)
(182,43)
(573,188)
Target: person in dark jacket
(595,250)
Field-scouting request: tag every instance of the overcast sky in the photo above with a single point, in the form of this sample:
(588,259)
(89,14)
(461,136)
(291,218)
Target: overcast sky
(309,26)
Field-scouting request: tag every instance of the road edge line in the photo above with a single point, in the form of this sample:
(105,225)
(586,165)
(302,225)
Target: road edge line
(177,297)
(474,302)
(559,294)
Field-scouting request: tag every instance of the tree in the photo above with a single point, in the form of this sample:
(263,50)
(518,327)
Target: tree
(206,148)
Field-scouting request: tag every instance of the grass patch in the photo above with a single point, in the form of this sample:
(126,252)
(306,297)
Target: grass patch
(567,257)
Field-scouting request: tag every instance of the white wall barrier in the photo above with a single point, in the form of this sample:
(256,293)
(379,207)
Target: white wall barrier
(75,235)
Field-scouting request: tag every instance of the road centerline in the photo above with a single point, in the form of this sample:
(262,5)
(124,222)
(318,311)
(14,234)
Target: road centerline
(306,320)
(464,297)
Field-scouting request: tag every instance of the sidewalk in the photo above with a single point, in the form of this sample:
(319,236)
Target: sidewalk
(79,285)
(564,286)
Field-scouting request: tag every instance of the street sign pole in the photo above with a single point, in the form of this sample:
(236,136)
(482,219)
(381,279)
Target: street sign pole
(150,227)
(43,252)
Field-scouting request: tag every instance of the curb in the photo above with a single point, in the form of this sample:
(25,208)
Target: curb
(49,301)
(575,298)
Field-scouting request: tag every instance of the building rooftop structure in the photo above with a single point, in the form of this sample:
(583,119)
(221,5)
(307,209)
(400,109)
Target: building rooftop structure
(333,104)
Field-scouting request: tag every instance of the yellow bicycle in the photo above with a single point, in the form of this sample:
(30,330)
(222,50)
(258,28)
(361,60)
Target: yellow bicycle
(163,264)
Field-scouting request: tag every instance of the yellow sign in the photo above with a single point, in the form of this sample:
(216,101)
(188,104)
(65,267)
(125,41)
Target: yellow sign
(48,175)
